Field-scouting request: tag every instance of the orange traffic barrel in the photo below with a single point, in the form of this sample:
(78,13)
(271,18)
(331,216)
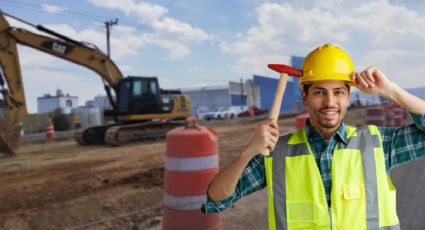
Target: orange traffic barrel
(50,130)
(191,161)
(389,116)
(300,120)
(375,116)
(398,115)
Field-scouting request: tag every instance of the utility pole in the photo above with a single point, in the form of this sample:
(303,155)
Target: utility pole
(108,25)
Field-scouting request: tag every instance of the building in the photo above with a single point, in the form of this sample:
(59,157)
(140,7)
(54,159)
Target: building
(89,116)
(102,102)
(358,98)
(292,101)
(235,95)
(49,103)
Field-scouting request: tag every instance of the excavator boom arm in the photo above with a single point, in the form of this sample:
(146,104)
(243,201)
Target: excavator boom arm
(13,106)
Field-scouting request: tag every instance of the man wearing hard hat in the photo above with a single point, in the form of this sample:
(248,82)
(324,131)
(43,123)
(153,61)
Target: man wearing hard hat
(327,175)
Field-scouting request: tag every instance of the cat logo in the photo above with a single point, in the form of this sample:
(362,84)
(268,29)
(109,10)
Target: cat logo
(58,47)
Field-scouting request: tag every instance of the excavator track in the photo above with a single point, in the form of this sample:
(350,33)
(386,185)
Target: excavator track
(121,134)
(92,135)
(124,134)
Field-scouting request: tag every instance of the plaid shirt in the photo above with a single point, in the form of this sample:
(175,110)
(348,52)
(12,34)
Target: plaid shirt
(401,145)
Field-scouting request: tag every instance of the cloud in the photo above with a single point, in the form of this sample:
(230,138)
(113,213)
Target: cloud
(52,9)
(146,12)
(124,29)
(404,66)
(183,30)
(372,32)
(166,29)
(168,33)
(125,40)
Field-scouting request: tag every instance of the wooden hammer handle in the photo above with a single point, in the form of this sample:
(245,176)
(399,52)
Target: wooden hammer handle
(280,90)
(275,110)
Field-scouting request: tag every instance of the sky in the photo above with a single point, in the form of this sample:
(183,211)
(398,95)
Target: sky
(197,43)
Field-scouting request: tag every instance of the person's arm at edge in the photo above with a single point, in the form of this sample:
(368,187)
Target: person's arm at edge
(404,144)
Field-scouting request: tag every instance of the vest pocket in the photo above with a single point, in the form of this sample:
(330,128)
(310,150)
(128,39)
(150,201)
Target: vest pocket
(301,211)
(352,191)
(351,208)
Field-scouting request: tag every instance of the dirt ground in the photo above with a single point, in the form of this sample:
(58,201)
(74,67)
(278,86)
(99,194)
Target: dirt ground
(61,185)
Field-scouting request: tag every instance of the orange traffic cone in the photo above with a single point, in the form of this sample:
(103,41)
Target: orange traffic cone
(50,130)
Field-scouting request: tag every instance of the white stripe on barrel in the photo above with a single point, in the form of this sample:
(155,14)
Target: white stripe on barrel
(184,202)
(191,163)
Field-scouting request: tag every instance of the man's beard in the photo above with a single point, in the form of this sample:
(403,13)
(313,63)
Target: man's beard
(329,124)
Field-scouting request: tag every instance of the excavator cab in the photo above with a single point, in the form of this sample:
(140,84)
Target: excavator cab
(141,99)
(138,95)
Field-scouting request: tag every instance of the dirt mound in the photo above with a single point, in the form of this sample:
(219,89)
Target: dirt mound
(152,177)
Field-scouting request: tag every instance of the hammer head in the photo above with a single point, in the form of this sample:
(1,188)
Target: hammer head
(286,69)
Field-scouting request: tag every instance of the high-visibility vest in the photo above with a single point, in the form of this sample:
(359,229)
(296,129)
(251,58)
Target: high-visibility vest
(362,195)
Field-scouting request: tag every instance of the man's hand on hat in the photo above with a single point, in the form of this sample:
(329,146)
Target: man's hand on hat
(373,81)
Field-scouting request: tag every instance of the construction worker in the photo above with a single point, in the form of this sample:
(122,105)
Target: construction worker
(327,175)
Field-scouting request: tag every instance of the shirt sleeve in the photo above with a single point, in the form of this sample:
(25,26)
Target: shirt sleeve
(253,178)
(404,144)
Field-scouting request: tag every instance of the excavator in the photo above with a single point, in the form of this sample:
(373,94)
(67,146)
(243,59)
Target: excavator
(141,110)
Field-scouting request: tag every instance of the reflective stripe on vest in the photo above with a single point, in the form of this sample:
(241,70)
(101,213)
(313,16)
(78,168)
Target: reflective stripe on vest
(362,195)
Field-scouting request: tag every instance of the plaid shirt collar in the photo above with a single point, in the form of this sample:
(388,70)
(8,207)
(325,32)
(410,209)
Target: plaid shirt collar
(313,134)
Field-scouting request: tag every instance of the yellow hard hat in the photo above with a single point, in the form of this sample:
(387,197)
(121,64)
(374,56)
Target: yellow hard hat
(327,63)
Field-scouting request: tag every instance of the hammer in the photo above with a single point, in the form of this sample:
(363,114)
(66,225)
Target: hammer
(284,71)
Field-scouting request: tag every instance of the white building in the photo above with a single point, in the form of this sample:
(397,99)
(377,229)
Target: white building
(102,102)
(235,95)
(49,103)
(91,114)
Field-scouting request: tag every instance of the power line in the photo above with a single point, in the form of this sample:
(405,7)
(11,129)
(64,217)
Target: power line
(30,6)
(138,26)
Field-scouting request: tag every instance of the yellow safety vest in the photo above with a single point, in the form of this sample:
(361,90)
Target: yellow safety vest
(362,195)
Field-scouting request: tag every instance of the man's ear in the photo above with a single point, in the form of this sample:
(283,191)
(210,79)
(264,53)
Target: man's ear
(304,97)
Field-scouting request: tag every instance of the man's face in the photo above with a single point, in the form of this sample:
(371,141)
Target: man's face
(327,101)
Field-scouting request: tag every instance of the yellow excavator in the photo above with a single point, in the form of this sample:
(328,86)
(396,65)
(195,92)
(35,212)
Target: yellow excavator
(141,109)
